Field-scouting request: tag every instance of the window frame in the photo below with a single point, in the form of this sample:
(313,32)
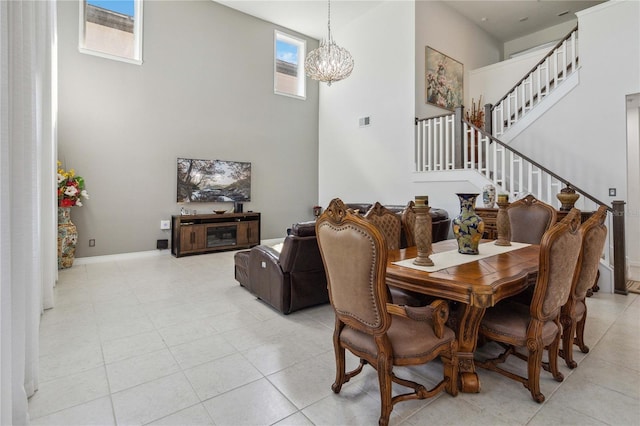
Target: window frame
(302,52)
(137,35)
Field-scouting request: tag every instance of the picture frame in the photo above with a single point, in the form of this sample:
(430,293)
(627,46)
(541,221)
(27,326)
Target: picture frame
(443,80)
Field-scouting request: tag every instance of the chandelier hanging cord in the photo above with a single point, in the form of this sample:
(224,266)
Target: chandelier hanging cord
(330,40)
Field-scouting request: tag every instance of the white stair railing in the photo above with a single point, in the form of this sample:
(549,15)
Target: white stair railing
(510,172)
(554,68)
(465,146)
(435,143)
(449,143)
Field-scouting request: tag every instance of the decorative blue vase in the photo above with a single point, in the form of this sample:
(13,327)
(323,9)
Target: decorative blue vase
(468,227)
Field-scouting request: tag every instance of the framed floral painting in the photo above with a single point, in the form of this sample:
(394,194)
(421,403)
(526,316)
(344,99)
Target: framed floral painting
(443,80)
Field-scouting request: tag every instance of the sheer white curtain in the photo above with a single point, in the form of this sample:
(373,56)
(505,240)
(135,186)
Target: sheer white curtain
(27,195)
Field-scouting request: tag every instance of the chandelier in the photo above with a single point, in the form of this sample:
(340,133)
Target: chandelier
(329,62)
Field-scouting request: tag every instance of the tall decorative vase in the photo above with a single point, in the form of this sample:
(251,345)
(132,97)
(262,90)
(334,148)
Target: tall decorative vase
(468,227)
(489,196)
(502,221)
(67,238)
(422,234)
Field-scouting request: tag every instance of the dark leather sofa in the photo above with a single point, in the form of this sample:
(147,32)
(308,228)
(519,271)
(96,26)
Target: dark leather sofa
(294,278)
(440,222)
(288,280)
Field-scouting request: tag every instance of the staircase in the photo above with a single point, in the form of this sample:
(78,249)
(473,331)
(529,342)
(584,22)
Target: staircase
(449,142)
(544,77)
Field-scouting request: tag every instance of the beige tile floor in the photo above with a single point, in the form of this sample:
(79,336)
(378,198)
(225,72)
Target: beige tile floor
(165,341)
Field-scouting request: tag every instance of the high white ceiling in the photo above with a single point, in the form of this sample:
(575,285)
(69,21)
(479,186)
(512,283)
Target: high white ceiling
(508,20)
(503,17)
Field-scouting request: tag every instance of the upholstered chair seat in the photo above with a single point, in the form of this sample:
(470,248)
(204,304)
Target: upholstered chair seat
(511,320)
(402,334)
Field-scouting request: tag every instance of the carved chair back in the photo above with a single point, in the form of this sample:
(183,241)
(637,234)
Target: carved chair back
(355,256)
(574,312)
(408,220)
(388,223)
(529,219)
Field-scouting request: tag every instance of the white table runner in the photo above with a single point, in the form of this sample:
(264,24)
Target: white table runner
(447,259)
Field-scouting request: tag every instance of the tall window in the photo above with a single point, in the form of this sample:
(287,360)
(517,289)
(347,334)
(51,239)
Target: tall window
(112,29)
(288,70)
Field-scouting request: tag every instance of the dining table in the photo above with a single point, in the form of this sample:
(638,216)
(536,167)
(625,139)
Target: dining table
(476,284)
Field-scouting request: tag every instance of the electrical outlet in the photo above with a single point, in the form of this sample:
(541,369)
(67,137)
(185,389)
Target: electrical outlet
(165,224)
(92,243)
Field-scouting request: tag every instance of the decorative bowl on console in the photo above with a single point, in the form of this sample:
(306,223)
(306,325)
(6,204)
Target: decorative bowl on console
(219,211)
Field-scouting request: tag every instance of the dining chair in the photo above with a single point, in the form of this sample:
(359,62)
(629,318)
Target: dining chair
(408,220)
(536,327)
(573,315)
(378,332)
(390,224)
(529,219)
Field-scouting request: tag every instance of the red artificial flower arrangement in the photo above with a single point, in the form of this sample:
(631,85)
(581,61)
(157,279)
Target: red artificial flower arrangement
(70,188)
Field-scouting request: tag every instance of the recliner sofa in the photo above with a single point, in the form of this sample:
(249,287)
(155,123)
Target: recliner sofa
(294,278)
(290,279)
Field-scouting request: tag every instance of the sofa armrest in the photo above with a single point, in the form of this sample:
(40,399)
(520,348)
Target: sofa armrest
(267,252)
(268,281)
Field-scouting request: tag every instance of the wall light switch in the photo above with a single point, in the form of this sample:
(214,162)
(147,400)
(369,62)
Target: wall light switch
(165,224)
(612,192)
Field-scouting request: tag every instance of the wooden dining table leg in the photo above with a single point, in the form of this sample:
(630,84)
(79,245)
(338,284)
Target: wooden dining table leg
(467,334)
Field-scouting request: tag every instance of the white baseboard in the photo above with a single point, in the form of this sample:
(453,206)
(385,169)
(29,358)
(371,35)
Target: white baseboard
(633,270)
(121,256)
(605,282)
(144,254)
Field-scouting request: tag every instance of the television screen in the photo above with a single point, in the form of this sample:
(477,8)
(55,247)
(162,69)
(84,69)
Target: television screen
(213,180)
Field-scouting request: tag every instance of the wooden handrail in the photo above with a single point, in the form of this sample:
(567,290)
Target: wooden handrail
(551,52)
(417,120)
(541,167)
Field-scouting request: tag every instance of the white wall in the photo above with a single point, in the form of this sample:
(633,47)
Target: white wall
(376,163)
(551,34)
(494,81)
(440,27)
(204,90)
(633,182)
(371,163)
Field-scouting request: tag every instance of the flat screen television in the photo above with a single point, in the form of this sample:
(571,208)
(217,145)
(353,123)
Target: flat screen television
(213,181)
